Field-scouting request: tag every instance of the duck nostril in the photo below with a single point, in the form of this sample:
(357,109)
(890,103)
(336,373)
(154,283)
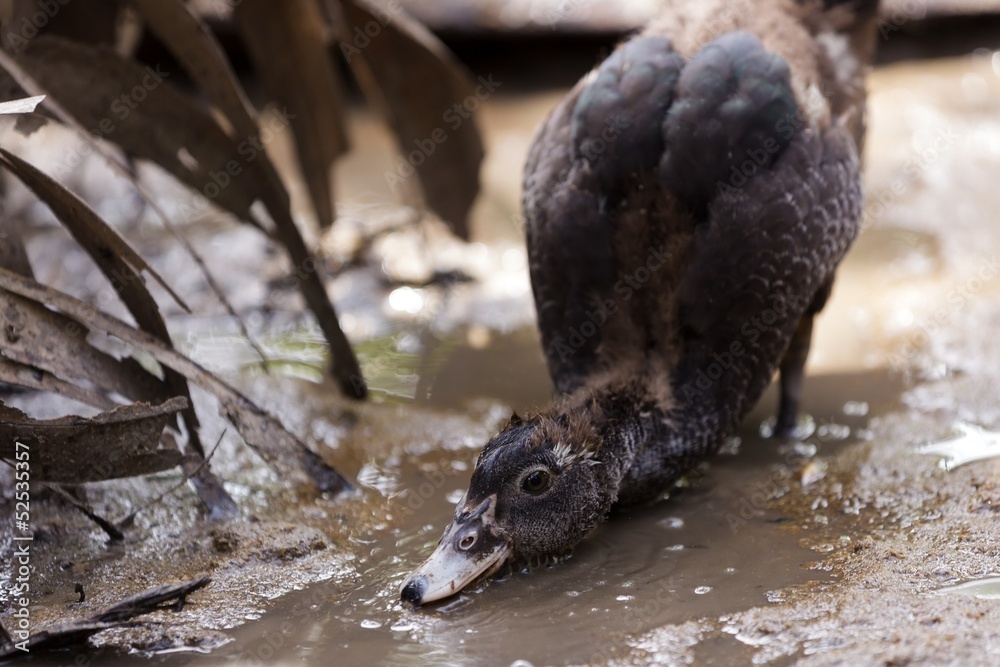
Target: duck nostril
(466,542)
(413,591)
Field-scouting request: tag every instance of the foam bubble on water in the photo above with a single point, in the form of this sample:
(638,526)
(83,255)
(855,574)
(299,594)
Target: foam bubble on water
(731,446)
(406,300)
(856,408)
(833,431)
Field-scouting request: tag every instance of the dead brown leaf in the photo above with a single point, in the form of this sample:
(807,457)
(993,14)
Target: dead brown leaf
(286,43)
(94,21)
(195,47)
(262,431)
(110,529)
(420,87)
(141,111)
(24,105)
(123,442)
(39,338)
(120,264)
(14,257)
(169,128)
(13,254)
(19,375)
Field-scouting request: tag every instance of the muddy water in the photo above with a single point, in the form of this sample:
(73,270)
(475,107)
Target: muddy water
(712,548)
(705,552)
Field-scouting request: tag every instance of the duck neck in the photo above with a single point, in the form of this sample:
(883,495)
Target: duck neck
(647,439)
(628,418)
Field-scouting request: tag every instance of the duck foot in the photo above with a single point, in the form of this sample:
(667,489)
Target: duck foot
(796,432)
(796,429)
(785,431)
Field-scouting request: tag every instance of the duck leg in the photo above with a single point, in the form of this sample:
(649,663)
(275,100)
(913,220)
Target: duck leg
(793,370)
(793,366)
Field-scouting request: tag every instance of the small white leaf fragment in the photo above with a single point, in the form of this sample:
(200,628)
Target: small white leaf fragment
(975,444)
(812,472)
(24,105)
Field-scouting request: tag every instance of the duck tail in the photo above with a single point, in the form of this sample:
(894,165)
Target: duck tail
(733,102)
(614,123)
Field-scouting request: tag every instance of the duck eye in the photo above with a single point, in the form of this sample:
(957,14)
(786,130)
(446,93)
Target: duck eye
(536,481)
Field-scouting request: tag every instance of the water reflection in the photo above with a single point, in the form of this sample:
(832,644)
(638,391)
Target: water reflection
(975,444)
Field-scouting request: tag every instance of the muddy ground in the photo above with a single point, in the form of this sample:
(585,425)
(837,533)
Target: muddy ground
(857,545)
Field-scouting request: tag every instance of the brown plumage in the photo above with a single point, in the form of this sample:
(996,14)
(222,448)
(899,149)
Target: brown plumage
(687,204)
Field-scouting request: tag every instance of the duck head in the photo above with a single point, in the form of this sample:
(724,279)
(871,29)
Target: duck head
(539,486)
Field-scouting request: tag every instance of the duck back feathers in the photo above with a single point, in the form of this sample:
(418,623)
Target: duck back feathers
(690,198)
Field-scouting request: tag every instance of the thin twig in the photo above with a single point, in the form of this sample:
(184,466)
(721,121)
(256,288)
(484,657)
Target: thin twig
(129,519)
(108,527)
(32,87)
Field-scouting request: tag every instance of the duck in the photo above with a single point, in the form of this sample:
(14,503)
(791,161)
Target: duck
(687,204)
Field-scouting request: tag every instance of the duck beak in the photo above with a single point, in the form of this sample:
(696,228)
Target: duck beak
(470,548)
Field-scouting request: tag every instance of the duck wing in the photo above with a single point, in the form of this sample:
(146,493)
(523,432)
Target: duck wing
(707,166)
(585,159)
